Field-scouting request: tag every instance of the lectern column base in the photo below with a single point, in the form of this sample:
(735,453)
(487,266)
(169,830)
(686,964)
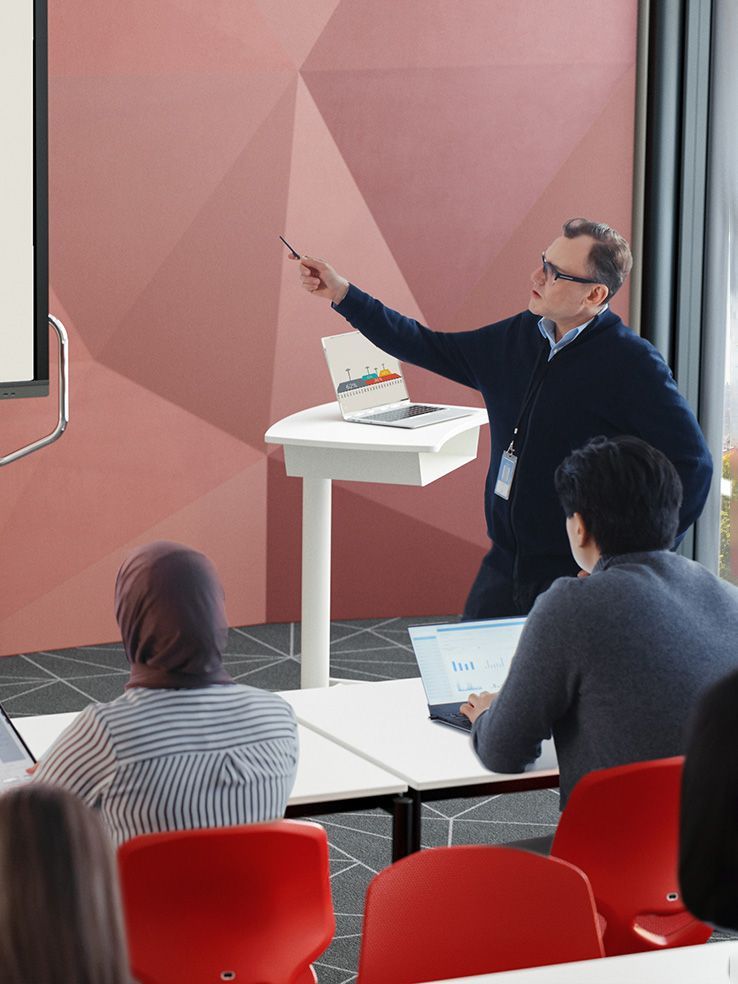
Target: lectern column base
(316,582)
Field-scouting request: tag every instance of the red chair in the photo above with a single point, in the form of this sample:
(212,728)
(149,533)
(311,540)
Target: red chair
(621,827)
(458,911)
(246,904)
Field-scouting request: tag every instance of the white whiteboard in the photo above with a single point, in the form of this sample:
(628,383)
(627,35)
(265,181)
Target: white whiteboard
(18,294)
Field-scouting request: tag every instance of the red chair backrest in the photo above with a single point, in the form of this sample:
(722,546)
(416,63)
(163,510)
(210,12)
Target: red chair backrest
(621,827)
(456,911)
(201,905)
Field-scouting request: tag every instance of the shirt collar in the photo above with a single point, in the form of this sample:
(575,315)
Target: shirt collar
(547,329)
(636,557)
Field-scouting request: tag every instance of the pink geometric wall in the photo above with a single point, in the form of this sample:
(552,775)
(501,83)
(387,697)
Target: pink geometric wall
(429,148)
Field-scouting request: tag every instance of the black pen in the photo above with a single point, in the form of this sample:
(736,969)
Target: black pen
(293,251)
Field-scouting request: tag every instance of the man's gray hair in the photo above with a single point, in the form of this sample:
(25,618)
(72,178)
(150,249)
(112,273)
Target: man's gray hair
(610,259)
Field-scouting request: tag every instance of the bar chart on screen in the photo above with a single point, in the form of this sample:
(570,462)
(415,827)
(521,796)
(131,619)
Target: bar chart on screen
(473,664)
(467,657)
(475,672)
(363,375)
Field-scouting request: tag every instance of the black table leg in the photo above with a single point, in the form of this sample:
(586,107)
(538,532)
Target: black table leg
(405,825)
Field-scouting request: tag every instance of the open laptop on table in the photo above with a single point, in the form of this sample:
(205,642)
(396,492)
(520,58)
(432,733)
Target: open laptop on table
(15,755)
(370,388)
(460,659)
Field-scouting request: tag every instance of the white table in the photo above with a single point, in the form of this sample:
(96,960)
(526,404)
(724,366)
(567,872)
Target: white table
(329,776)
(388,724)
(705,964)
(320,446)
(41,731)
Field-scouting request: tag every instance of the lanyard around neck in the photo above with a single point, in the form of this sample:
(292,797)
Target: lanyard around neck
(534,384)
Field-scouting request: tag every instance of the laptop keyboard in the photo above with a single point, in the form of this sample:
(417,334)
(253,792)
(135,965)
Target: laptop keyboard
(453,718)
(403,413)
(460,720)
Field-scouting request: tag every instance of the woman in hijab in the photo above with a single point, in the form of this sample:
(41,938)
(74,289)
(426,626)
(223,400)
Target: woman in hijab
(184,746)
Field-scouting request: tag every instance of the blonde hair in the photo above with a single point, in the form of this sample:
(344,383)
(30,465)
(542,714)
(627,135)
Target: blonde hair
(60,915)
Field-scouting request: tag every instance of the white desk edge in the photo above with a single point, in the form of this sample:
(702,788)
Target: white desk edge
(342,434)
(706,963)
(480,777)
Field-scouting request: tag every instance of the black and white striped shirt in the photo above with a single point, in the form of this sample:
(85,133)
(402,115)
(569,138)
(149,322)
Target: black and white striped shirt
(155,760)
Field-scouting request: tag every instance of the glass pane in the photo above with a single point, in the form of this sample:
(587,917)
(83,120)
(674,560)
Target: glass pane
(729,484)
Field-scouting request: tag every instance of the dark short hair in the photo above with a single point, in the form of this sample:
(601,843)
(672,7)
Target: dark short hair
(628,494)
(610,259)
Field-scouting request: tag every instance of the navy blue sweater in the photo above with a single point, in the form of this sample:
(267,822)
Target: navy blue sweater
(607,381)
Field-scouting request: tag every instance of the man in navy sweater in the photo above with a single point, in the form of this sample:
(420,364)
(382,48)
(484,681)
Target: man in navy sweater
(552,377)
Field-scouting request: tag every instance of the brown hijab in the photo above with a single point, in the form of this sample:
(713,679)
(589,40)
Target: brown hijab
(169,604)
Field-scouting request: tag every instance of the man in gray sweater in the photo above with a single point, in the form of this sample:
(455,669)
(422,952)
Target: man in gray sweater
(612,664)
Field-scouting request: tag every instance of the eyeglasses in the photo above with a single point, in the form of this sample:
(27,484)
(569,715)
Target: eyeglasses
(549,270)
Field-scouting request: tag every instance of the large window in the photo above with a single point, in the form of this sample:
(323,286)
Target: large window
(717,530)
(729,483)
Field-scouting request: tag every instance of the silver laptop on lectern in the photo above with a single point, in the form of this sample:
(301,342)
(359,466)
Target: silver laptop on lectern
(461,659)
(370,388)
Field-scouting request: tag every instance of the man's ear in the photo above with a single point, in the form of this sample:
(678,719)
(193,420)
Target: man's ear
(581,533)
(597,296)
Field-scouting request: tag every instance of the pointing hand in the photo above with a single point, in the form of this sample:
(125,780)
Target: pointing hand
(319,278)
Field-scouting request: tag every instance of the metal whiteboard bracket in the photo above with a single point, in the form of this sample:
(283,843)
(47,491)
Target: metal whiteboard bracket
(61,426)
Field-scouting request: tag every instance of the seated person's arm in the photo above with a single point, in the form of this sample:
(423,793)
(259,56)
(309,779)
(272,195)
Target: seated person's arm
(540,687)
(81,759)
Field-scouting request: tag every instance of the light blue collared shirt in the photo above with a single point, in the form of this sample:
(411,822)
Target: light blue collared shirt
(548,329)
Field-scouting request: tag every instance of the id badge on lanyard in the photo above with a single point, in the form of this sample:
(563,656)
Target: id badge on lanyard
(506,474)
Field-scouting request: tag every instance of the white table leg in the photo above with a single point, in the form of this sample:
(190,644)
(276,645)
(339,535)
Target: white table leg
(316,582)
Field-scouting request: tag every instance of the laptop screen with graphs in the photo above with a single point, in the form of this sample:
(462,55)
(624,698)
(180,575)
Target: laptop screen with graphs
(456,660)
(363,375)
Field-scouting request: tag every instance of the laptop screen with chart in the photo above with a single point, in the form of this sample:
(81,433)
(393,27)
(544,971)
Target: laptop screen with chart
(464,658)
(370,388)
(363,375)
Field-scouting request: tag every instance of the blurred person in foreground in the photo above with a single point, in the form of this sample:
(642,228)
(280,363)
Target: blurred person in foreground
(708,855)
(612,664)
(185,746)
(60,916)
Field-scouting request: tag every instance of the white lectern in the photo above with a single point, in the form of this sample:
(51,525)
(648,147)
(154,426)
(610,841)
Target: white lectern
(319,446)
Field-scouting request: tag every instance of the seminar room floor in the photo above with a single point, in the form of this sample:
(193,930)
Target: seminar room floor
(268,656)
